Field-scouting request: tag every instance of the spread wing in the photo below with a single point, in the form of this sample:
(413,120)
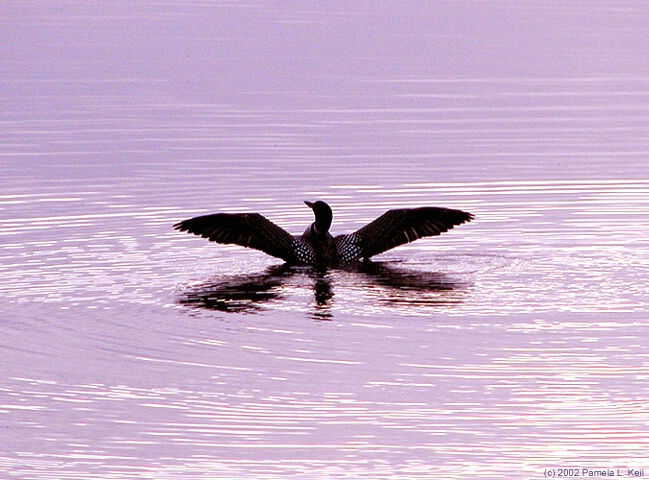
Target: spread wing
(396,227)
(250,230)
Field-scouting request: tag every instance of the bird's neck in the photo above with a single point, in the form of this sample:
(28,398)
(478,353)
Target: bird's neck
(319,229)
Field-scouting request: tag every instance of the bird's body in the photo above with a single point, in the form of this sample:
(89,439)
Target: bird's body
(316,246)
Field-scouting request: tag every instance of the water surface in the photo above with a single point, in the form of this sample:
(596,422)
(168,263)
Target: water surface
(510,345)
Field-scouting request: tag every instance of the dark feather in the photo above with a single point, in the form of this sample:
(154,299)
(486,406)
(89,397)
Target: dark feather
(250,230)
(396,227)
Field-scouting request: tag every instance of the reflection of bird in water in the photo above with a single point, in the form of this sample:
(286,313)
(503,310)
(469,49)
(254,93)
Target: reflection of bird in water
(375,281)
(391,285)
(316,246)
(238,294)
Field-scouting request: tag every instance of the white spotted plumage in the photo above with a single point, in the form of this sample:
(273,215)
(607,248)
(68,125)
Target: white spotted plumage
(303,251)
(347,248)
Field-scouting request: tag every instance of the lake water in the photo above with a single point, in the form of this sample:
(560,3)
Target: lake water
(508,347)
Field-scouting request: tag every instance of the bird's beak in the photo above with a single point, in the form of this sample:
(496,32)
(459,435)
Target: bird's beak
(309,204)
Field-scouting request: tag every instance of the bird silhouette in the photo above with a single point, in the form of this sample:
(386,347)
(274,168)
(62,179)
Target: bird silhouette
(316,246)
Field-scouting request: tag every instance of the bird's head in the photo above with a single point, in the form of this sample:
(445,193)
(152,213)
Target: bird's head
(323,216)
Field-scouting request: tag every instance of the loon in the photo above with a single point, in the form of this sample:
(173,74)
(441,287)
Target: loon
(316,246)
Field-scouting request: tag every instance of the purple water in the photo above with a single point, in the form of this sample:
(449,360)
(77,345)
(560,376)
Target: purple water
(507,347)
